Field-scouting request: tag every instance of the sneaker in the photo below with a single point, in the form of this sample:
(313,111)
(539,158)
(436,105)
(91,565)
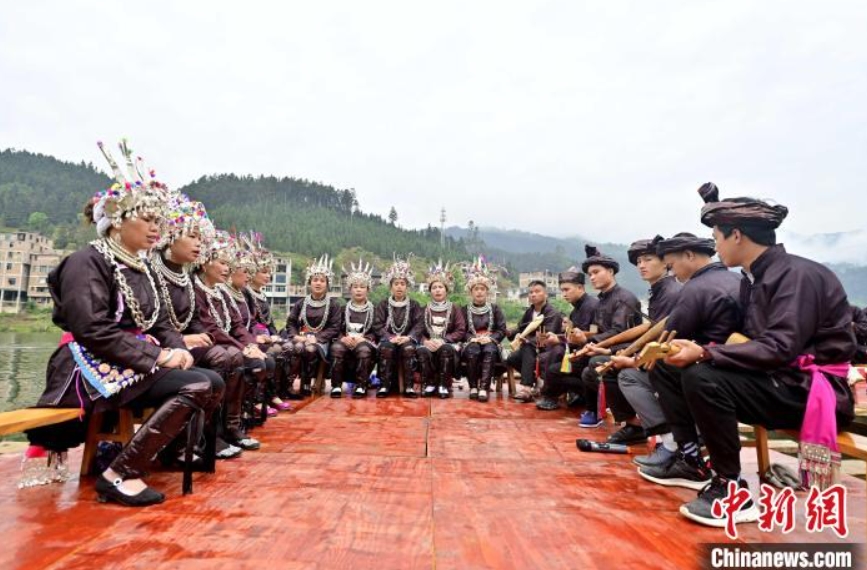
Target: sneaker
(483,395)
(410,392)
(660,456)
(474,393)
(574,400)
(359,392)
(700,509)
(229,452)
(382,392)
(628,434)
(589,420)
(429,391)
(547,404)
(247,443)
(683,472)
(337,392)
(443,392)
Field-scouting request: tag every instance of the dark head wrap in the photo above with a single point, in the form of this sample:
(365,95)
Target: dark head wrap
(642,247)
(738,212)
(685,242)
(595,257)
(571,275)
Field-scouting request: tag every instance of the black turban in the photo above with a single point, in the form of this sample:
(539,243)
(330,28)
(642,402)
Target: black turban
(642,247)
(571,275)
(739,212)
(595,257)
(685,242)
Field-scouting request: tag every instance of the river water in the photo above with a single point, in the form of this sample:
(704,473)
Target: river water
(23,357)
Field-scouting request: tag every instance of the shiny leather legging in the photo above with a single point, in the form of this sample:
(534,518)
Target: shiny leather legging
(479,360)
(393,355)
(351,365)
(302,359)
(180,395)
(438,368)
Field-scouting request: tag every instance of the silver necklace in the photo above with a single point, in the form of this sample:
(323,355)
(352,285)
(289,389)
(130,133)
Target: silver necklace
(316,303)
(257,295)
(236,297)
(439,307)
(223,321)
(111,253)
(180,280)
(389,322)
(366,308)
(484,310)
(313,303)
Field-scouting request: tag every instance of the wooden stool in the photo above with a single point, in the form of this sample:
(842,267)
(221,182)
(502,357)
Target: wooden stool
(121,433)
(510,376)
(319,383)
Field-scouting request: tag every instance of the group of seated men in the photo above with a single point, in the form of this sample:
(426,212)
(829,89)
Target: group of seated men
(794,328)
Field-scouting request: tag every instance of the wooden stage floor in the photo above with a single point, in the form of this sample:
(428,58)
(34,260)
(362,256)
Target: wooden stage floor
(388,484)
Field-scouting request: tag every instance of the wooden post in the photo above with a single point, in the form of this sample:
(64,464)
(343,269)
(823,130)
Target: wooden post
(762,454)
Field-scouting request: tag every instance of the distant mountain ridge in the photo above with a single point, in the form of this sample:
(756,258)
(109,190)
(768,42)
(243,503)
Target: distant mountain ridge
(844,252)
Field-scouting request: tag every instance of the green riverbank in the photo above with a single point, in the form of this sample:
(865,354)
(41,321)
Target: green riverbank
(32,321)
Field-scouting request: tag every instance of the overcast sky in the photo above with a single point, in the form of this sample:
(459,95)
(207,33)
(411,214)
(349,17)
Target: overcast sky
(593,118)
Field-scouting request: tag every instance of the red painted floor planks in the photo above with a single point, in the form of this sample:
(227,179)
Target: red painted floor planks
(387,484)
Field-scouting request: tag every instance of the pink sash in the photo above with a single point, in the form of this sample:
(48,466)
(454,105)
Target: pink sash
(819,455)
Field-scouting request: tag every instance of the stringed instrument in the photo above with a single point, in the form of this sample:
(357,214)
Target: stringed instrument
(651,334)
(628,335)
(531,327)
(663,348)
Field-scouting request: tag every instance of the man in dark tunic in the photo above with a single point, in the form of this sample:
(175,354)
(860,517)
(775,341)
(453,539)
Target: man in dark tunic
(796,314)
(558,382)
(398,323)
(661,300)
(353,353)
(859,325)
(707,310)
(532,353)
(311,326)
(618,311)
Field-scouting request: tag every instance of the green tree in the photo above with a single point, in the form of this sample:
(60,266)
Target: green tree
(38,222)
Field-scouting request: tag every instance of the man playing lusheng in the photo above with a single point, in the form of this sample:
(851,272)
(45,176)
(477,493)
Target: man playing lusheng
(799,323)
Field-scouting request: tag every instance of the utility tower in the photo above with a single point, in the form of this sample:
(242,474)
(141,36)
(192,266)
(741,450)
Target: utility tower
(443,228)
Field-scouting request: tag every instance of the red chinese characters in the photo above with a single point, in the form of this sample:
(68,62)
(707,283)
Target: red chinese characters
(777,509)
(827,509)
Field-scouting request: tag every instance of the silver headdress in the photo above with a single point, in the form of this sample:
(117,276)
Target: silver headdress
(400,269)
(321,266)
(261,257)
(130,195)
(479,274)
(184,216)
(361,274)
(219,245)
(440,273)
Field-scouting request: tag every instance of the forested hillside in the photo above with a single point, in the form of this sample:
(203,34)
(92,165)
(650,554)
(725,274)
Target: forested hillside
(41,193)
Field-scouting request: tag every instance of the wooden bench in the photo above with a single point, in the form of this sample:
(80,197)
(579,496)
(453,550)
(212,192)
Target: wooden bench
(850,444)
(17,421)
